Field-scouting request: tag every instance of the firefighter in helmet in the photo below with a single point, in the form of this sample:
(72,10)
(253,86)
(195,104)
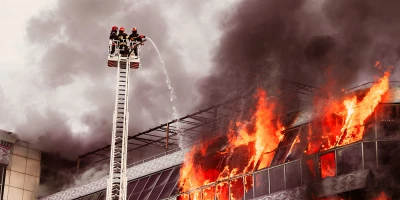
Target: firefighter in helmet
(122,37)
(138,41)
(134,34)
(113,38)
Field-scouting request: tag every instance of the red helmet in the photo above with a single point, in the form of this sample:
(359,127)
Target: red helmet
(134,29)
(114,28)
(122,29)
(141,36)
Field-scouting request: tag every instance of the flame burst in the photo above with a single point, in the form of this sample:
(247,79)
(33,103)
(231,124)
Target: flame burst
(249,148)
(251,145)
(358,112)
(345,123)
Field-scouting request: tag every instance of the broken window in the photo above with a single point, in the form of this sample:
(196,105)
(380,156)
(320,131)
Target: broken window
(349,159)
(327,165)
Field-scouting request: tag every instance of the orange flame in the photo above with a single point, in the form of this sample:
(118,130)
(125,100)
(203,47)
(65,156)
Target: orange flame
(255,144)
(383,196)
(328,166)
(251,145)
(358,112)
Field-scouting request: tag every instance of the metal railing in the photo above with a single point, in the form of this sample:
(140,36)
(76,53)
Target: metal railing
(369,85)
(299,162)
(154,157)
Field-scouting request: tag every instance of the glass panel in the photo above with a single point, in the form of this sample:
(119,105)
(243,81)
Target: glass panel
(163,177)
(130,187)
(94,196)
(386,153)
(102,195)
(297,148)
(276,177)
(166,192)
(349,159)
(249,186)
(261,183)
(280,155)
(175,189)
(327,164)
(140,185)
(175,175)
(237,189)
(134,196)
(156,192)
(222,191)
(369,155)
(145,194)
(208,193)
(388,127)
(310,170)
(314,139)
(152,180)
(369,128)
(289,137)
(293,174)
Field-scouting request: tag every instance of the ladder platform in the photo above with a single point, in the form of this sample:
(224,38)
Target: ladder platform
(134,61)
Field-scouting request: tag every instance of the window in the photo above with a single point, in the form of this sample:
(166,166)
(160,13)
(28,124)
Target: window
(293,174)
(261,184)
(327,165)
(389,121)
(349,159)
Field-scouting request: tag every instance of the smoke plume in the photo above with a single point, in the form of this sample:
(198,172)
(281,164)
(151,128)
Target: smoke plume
(67,101)
(331,44)
(63,99)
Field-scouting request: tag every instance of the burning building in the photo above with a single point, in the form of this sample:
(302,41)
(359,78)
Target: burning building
(340,147)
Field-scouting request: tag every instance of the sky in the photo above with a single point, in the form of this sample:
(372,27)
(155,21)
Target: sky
(54,83)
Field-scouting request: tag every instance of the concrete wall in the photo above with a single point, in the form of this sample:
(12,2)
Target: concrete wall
(22,174)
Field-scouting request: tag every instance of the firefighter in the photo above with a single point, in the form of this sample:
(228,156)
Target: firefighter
(113,38)
(133,35)
(138,41)
(122,37)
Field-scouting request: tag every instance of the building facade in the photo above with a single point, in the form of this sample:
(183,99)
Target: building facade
(20,168)
(348,171)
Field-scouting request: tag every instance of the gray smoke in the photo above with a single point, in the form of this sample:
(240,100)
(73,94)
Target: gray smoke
(71,91)
(330,44)
(76,86)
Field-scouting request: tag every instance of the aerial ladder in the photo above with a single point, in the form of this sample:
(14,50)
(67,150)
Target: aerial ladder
(117,181)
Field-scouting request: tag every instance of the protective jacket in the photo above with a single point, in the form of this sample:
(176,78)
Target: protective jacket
(113,35)
(133,36)
(122,38)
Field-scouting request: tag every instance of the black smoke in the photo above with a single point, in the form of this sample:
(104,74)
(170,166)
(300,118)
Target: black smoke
(329,44)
